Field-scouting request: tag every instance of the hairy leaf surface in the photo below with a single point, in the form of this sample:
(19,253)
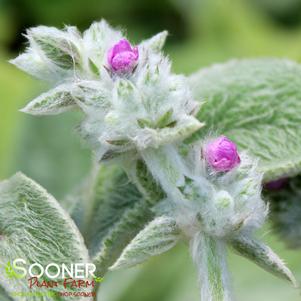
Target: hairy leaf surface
(55,101)
(120,235)
(263,256)
(111,197)
(35,228)
(157,237)
(110,211)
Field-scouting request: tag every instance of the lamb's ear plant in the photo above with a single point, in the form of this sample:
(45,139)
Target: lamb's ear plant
(165,168)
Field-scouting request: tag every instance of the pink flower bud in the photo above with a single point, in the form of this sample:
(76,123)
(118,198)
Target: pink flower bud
(221,154)
(122,57)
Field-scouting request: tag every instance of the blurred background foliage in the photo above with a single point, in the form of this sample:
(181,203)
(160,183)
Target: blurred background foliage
(202,32)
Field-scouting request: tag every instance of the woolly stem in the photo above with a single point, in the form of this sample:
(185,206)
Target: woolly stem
(165,165)
(89,192)
(209,256)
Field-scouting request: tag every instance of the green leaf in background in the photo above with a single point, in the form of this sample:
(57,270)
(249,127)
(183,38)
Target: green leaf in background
(263,256)
(110,211)
(79,201)
(111,195)
(157,237)
(256,103)
(35,228)
(285,211)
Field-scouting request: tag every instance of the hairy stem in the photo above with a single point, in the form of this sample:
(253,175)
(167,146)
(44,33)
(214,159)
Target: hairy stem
(165,165)
(209,256)
(89,192)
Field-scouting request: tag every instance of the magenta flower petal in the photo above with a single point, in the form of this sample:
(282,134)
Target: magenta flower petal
(122,45)
(122,57)
(221,154)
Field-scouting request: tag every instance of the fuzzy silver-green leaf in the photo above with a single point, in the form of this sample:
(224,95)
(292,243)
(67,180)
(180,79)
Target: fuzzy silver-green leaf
(55,101)
(35,228)
(157,237)
(261,255)
(119,236)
